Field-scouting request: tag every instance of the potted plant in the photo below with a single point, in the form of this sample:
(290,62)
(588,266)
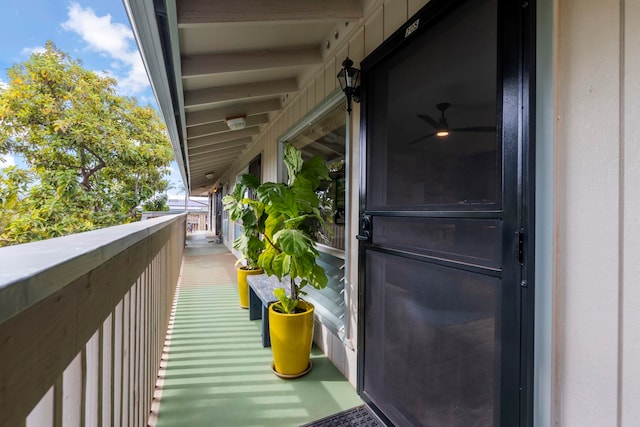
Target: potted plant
(249,242)
(293,217)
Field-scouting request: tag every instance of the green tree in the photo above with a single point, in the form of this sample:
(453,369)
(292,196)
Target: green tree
(156,204)
(92,156)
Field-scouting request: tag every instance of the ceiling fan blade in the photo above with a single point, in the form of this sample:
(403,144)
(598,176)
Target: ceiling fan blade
(475,129)
(422,138)
(432,122)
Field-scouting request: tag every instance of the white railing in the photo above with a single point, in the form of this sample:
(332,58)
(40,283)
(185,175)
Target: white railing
(82,324)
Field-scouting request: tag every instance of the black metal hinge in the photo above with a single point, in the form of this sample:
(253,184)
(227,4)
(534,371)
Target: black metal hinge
(520,246)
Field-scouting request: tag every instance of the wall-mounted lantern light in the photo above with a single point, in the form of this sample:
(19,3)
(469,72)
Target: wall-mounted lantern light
(348,78)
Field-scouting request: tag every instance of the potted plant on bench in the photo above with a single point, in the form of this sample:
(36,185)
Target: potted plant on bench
(249,243)
(293,217)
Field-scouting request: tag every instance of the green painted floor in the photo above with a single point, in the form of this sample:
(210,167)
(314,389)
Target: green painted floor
(218,373)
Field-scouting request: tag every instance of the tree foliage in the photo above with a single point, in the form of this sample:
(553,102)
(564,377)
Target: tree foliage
(156,204)
(92,156)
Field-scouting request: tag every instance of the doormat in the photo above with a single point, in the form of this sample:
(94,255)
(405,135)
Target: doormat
(360,416)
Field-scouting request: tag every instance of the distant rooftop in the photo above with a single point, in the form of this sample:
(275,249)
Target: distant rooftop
(176,202)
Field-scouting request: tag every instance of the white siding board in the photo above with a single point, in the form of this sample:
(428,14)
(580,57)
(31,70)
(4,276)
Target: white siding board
(319,91)
(356,47)
(414,6)
(630,292)
(374,31)
(588,193)
(395,14)
(330,76)
(311,95)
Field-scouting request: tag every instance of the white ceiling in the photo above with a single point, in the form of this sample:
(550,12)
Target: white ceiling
(231,58)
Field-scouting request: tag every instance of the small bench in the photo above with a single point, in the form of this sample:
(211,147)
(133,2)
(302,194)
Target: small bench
(261,295)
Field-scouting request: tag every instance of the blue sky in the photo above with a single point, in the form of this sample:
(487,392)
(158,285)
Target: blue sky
(97,32)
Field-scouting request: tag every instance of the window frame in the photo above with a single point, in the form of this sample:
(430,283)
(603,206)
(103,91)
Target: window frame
(323,314)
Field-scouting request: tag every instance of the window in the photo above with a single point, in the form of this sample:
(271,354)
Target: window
(326,137)
(324,133)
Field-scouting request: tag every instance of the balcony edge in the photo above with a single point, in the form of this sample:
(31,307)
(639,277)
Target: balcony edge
(31,272)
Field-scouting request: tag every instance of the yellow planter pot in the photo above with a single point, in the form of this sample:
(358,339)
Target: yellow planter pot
(291,338)
(243,285)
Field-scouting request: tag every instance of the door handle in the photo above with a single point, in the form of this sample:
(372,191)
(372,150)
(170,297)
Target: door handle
(364,229)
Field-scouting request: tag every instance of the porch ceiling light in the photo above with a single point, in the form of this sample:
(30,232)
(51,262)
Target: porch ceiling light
(209,175)
(443,126)
(348,78)
(236,123)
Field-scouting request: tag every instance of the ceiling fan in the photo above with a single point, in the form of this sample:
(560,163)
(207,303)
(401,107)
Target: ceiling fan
(441,127)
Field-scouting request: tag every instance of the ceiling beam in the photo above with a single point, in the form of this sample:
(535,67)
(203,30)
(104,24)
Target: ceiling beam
(248,108)
(216,174)
(238,144)
(205,130)
(218,165)
(214,162)
(217,127)
(222,137)
(209,166)
(226,159)
(220,147)
(207,161)
(197,97)
(202,65)
(318,146)
(209,12)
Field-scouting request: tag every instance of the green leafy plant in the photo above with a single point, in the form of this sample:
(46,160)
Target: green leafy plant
(251,213)
(293,217)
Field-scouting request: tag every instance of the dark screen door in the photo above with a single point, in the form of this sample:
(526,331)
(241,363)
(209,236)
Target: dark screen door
(441,221)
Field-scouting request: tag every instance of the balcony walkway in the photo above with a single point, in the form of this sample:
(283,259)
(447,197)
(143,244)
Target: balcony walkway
(217,372)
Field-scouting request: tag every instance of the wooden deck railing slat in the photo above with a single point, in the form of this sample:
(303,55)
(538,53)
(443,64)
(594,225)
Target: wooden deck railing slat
(106,369)
(117,363)
(89,352)
(91,374)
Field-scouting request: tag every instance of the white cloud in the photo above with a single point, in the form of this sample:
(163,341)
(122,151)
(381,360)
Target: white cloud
(6,160)
(31,50)
(3,85)
(111,39)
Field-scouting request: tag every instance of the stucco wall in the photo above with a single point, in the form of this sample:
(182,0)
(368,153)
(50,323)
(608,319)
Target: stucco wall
(596,223)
